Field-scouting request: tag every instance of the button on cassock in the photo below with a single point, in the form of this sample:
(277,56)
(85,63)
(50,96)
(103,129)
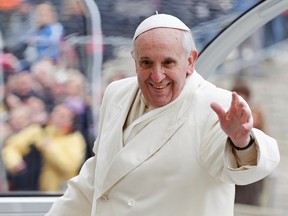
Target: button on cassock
(131,202)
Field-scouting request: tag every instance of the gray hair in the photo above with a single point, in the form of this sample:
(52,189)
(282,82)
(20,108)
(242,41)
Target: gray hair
(188,42)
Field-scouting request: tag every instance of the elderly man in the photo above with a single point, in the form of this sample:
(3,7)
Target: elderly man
(165,147)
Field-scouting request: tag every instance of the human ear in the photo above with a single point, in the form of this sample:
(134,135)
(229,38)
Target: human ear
(192,58)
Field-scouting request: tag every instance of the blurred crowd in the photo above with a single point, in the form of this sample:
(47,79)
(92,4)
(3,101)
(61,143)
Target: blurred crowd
(46,125)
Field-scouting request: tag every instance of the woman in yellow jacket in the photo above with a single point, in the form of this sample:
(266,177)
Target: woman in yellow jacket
(62,150)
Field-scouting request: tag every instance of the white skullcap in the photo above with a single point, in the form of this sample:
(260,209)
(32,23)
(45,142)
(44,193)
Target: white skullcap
(159,21)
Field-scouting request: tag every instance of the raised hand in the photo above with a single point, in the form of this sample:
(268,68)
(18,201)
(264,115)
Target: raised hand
(237,122)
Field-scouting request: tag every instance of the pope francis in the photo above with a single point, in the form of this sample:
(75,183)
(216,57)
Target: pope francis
(169,143)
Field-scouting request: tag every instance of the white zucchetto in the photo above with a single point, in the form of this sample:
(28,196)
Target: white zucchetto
(159,21)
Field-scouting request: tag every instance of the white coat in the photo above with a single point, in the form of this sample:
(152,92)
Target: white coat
(178,163)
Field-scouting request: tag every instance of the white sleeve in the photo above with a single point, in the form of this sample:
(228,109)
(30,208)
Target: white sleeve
(268,158)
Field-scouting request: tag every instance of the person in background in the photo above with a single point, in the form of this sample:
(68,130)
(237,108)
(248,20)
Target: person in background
(19,89)
(10,100)
(7,8)
(74,22)
(19,118)
(44,73)
(10,64)
(44,41)
(5,131)
(250,194)
(23,19)
(45,157)
(169,142)
(78,99)
(38,109)
(25,86)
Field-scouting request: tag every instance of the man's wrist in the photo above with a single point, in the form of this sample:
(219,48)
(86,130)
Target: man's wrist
(251,142)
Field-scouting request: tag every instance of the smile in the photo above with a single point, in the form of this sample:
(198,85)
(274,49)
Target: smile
(159,86)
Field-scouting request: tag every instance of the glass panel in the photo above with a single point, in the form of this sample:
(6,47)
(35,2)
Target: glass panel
(257,70)
(205,18)
(50,49)
(120,19)
(52,54)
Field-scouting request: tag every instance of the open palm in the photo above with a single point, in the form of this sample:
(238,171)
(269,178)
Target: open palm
(237,122)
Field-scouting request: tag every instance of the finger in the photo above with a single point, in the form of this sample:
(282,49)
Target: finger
(218,110)
(240,107)
(247,127)
(235,100)
(243,109)
(248,114)
(244,118)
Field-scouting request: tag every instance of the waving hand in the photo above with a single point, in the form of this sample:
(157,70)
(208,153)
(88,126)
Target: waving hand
(237,122)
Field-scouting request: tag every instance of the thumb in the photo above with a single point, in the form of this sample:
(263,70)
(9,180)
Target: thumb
(218,110)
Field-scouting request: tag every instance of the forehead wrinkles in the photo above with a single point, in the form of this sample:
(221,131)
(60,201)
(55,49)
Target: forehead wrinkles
(160,36)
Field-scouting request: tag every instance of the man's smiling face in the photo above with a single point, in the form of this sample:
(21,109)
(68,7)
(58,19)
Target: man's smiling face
(162,65)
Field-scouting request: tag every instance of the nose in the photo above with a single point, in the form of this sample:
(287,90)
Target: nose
(158,73)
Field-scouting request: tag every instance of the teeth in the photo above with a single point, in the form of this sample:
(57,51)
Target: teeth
(159,86)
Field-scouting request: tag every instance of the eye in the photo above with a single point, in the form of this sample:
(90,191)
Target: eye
(145,64)
(169,63)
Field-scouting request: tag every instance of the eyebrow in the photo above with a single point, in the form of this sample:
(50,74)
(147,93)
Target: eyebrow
(165,59)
